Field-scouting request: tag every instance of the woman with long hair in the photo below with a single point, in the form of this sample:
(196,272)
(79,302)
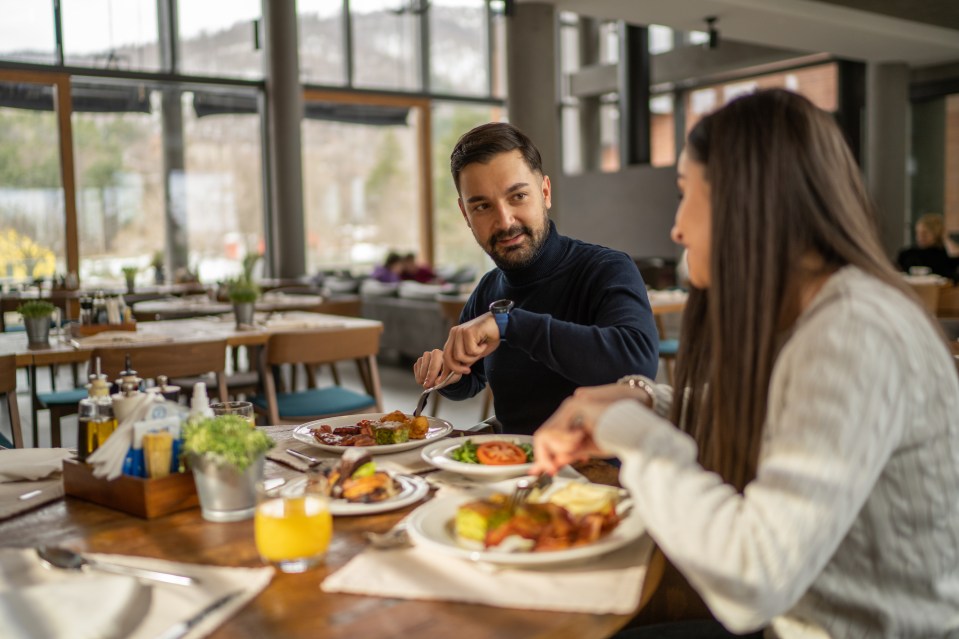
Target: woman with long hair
(806,479)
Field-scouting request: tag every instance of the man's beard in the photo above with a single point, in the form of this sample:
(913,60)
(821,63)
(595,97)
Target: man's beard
(510,257)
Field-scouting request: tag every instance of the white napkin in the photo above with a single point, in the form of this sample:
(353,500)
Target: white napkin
(31,463)
(102,607)
(609,584)
(91,604)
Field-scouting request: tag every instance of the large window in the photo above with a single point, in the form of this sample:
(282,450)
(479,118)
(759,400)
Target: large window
(27,36)
(322,50)
(32,230)
(360,189)
(114,35)
(218,37)
(206,215)
(455,245)
(459,47)
(386,36)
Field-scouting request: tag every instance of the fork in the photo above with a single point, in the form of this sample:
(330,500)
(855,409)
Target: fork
(524,489)
(421,404)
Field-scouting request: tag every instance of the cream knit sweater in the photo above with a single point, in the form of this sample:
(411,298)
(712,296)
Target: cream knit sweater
(851,527)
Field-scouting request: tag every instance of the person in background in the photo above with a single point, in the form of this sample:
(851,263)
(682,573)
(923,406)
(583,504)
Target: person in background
(929,251)
(805,477)
(391,270)
(412,270)
(555,314)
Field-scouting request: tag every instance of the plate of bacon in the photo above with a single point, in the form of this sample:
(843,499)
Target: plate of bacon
(380,433)
(571,521)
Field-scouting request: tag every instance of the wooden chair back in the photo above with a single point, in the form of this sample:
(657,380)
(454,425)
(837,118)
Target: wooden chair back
(323,347)
(348,306)
(180,359)
(451,310)
(8,389)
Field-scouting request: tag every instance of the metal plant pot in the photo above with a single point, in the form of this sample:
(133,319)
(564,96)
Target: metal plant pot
(244,314)
(38,330)
(226,494)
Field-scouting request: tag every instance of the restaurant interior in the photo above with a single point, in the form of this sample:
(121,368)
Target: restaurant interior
(203,191)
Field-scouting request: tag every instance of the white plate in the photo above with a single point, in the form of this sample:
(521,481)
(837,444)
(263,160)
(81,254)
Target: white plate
(438,429)
(412,489)
(431,526)
(439,454)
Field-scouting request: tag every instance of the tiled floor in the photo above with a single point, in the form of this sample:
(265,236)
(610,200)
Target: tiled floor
(400,392)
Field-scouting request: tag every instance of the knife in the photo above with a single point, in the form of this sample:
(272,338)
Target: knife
(180,629)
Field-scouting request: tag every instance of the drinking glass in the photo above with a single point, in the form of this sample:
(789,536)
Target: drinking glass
(241,409)
(292,524)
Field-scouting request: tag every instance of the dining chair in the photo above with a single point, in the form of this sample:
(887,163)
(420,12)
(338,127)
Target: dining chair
(8,389)
(60,403)
(668,348)
(177,359)
(313,348)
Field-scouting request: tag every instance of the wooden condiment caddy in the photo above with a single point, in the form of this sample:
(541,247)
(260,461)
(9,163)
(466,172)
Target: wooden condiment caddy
(147,498)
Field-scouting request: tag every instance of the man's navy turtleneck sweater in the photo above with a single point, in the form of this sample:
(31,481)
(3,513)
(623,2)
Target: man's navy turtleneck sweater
(581,318)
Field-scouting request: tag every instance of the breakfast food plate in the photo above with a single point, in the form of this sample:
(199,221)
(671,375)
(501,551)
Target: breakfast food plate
(432,526)
(440,454)
(411,489)
(307,433)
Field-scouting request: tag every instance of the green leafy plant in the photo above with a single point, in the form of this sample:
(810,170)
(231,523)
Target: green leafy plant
(226,440)
(36,308)
(241,290)
(157,261)
(249,262)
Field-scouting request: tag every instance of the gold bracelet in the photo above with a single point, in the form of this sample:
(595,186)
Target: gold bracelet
(642,383)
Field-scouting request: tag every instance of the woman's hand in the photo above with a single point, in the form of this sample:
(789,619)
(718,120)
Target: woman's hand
(567,436)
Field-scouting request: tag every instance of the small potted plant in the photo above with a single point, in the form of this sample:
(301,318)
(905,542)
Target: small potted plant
(157,264)
(226,456)
(243,293)
(130,274)
(36,320)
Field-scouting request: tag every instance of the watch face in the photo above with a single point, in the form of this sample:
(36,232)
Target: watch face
(501,306)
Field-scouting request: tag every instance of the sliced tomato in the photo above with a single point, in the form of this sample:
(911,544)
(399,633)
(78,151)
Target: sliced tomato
(500,453)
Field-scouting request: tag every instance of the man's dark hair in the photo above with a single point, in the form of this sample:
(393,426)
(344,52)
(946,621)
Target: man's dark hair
(487,140)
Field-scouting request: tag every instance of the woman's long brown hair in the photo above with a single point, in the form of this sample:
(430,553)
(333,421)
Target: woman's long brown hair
(784,188)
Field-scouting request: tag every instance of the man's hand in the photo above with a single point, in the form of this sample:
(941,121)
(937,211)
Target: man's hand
(470,342)
(428,369)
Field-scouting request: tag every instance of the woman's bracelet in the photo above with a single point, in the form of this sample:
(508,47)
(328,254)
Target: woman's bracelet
(643,383)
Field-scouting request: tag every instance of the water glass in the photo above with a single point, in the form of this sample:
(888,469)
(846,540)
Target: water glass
(293,524)
(240,409)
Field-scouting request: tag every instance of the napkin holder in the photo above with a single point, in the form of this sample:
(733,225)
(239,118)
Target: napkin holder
(86,330)
(147,498)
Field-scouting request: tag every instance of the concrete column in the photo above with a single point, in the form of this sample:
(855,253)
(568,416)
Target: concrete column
(284,100)
(887,150)
(531,77)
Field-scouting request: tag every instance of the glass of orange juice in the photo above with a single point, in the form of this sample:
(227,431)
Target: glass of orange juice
(240,409)
(292,524)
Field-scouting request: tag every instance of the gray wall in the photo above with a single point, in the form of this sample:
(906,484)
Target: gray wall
(631,210)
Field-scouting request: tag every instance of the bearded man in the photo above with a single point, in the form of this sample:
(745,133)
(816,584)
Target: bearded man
(555,314)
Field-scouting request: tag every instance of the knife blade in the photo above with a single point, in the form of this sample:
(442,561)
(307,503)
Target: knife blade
(180,629)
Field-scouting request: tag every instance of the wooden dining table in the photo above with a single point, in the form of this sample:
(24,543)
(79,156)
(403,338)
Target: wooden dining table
(293,605)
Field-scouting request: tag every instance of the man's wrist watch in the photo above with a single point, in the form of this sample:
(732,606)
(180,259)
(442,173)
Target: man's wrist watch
(500,310)
(642,383)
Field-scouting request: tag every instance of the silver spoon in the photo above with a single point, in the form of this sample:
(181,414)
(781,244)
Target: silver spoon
(59,557)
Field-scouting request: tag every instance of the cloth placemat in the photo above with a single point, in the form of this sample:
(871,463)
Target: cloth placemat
(34,493)
(31,463)
(162,605)
(609,584)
